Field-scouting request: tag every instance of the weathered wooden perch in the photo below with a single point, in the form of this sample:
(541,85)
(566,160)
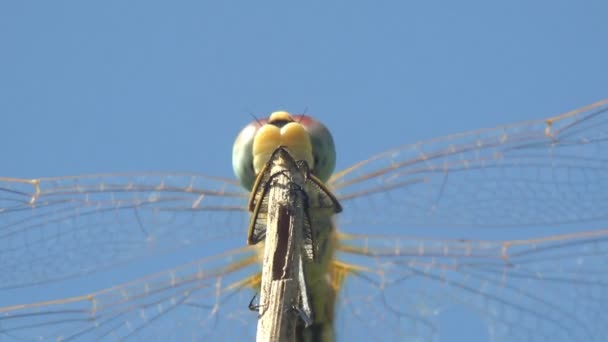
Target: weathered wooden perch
(280,304)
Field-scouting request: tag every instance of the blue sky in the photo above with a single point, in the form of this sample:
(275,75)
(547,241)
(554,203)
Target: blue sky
(119,86)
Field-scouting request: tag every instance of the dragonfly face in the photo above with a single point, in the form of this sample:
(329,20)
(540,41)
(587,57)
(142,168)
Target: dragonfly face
(307,138)
(508,222)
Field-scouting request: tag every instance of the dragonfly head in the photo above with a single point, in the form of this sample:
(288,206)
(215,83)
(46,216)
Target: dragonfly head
(306,138)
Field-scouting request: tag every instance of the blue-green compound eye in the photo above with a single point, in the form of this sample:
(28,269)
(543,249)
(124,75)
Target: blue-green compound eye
(323,148)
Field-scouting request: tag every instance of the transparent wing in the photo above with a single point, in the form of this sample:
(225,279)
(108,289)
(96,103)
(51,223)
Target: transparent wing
(551,288)
(508,222)
(546,289)
(540,186)
(53,228)
(202,300)
(537,173)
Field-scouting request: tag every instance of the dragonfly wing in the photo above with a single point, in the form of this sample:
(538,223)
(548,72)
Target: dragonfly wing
(54,228)
(202,300)
(509,222)
(553,288)
(532,174)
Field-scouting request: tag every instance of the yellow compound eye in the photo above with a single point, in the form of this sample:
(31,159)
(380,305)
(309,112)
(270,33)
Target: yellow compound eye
(292,135)
(295,137)
(267,139)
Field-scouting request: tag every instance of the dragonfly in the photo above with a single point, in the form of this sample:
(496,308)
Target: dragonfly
(508,222)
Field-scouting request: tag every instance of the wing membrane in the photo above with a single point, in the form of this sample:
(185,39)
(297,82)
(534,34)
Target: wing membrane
(192,301)
(53,228)
(536,173)
(542,188)
(551,288)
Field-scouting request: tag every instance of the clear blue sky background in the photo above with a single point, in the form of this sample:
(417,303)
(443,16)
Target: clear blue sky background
(146,85)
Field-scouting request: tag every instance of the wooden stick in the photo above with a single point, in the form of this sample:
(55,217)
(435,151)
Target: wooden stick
(280,288)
